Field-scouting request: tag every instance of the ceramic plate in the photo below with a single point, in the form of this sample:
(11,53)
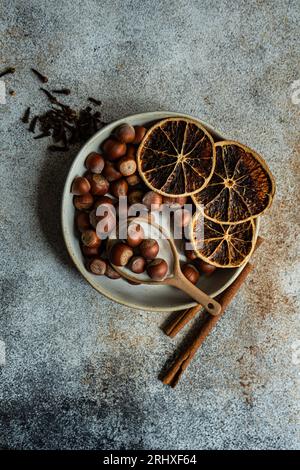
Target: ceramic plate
(146,297)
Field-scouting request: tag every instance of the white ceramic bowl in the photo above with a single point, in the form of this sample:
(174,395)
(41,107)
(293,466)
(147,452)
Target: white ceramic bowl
(146,297)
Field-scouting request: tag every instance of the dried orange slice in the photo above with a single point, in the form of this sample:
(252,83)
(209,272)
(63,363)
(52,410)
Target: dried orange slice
(176,157)
(223,245)
(242,186)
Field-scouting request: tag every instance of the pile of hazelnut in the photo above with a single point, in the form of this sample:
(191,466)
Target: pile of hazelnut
(139,254)
(110,175)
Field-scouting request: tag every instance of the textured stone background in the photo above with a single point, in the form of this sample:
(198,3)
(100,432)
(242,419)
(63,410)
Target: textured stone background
(82,371)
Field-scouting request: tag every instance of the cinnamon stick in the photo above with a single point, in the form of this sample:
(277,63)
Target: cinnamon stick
(176,324)
(172,376)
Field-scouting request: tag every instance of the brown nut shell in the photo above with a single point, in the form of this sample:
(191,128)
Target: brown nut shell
(135,234)
(99,184)
(137,264)
(125,133)
(114,149)
(126,165)
(157,269)
(204,267)
(110,172)
(149,248)
(140,132)
(90,251)
(111,272)
(191,273)
(97,266)
(83,202)
(80,186)
(119,188)
(94,162)
(120,254)
(82,221)
(90,238)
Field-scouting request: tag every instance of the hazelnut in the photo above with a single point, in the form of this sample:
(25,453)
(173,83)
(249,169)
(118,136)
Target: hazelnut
(135,196)
(174,202)
(94,162)
(133,180)
(157,269)
(93,218)
(137,264)
(149,248)
(80,186)
(125,133)
(140,132)
(103,200)
(111,272)
(83,202)
(114,149)
(131,151)
(191,273)
(182,217)
(82,221)
(190,254)
(204,267)
(110,172)
(152,200)
(90,238)
(135,235)
(97,266)
(120,254)
(99,184)
(89,251)
(119,188)
(126,165)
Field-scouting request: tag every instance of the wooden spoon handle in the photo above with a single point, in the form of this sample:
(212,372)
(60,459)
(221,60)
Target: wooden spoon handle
(182,283)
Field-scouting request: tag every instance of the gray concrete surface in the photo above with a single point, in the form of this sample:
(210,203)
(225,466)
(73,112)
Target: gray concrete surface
(81,371)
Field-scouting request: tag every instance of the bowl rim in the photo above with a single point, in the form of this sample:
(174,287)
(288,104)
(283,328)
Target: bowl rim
(147,116)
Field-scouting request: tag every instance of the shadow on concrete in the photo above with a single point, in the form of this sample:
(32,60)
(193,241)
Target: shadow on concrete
(54,171)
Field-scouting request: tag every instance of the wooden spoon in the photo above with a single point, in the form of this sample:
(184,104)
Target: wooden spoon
(175,279)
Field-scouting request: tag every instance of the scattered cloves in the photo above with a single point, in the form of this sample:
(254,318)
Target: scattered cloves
(51,98)
(33,124)
(65,126)
(95,101)
(42,77)
(42,135)
(26,115)
(62,91)
(7,71)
